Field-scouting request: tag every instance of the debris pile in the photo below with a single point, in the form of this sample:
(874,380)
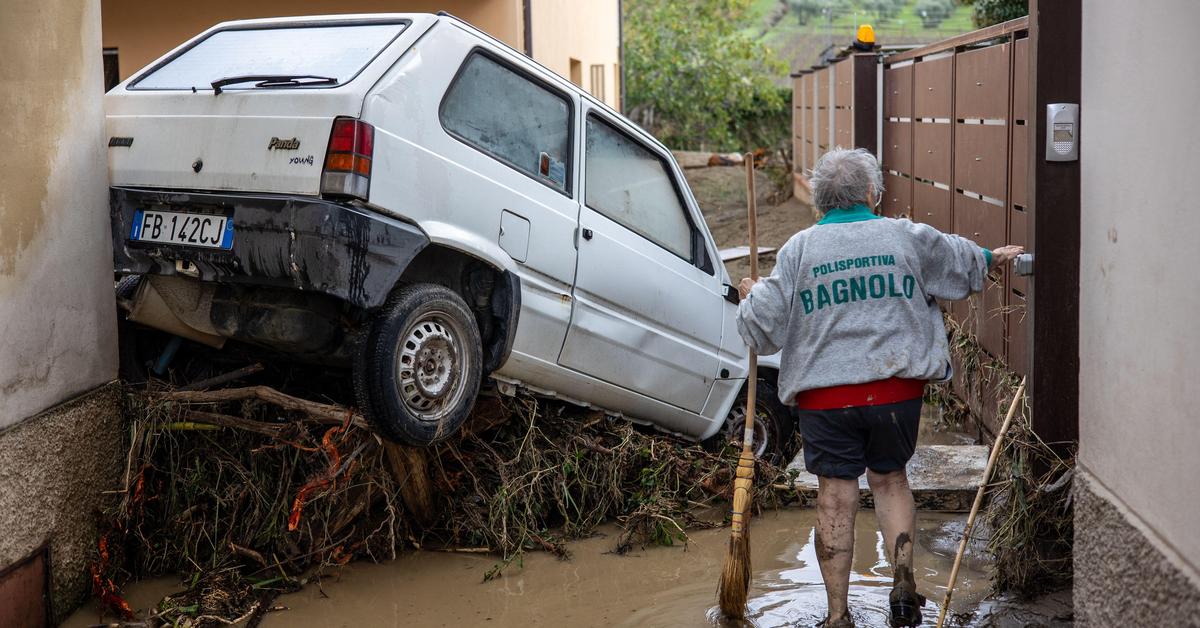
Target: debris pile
(250,492)
(1028,508)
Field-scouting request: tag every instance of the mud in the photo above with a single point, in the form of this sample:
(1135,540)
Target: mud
(661,586)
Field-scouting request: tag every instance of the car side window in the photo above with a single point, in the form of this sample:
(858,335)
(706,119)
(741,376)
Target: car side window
(512,118)
(630,184)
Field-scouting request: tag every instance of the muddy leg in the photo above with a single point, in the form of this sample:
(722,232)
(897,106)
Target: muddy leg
(837,503)
(895,510)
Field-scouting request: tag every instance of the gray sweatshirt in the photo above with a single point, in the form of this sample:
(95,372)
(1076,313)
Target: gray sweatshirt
(853,299)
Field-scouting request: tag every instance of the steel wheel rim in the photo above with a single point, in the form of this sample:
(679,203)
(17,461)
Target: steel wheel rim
(431,363)
(735,427)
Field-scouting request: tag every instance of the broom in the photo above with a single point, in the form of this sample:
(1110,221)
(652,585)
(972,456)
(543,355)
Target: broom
(734,585)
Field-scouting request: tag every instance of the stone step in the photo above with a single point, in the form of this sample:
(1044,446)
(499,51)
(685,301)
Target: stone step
(943,477)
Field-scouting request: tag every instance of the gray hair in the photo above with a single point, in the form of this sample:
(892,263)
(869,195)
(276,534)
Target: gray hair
(845,177)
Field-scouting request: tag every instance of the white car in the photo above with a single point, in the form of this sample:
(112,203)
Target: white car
(404,195)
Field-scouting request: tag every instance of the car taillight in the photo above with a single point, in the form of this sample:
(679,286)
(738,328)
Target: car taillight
(348,159)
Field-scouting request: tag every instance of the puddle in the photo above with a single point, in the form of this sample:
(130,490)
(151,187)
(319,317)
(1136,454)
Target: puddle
(661,586)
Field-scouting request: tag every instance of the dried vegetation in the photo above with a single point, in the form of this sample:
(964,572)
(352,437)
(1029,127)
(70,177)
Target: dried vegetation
(1028,509)
(248,492)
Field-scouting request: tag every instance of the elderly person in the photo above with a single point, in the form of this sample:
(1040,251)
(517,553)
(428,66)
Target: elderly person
(853,305)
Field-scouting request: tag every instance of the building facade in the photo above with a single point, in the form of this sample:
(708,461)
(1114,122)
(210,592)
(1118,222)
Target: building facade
(1137,541)
(61,430)
(580,40)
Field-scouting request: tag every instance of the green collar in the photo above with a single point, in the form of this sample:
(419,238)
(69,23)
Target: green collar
(839,215)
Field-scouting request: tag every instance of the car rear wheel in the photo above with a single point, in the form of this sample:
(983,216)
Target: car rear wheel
(419,368)
(773,425)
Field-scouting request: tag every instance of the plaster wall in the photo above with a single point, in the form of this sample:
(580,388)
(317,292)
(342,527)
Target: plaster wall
(588,32)
(1139,292)
(144,30)
(57,315)
(54,469)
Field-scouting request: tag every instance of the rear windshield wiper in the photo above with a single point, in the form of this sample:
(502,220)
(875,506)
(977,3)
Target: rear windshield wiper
(273,80)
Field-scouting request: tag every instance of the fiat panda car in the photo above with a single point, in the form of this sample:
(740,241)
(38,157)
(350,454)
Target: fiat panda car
(409,198)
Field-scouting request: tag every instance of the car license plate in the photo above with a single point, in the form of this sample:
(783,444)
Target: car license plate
(205,230)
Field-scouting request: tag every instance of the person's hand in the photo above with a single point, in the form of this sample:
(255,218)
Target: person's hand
(744,286)
(1006,254)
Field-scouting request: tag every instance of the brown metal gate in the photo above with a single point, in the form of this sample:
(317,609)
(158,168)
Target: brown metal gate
(956,121)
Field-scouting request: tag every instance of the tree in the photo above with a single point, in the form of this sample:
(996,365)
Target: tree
(989,12)
(694,78)
(932,12)
(805,10)
(884,10)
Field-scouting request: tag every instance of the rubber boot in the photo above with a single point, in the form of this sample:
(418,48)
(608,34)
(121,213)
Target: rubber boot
(904,600)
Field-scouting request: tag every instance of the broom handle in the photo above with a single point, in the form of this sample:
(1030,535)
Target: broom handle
(987,476)
(752,376)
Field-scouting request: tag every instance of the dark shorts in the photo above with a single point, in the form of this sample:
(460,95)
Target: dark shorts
(844,443)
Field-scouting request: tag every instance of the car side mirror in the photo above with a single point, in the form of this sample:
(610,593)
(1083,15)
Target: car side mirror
(731,294)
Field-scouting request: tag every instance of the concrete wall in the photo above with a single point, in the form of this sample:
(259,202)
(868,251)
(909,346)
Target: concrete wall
(57,316)
(1139,294)
(588,32)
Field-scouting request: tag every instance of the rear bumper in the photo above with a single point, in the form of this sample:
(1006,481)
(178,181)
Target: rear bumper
(283,241)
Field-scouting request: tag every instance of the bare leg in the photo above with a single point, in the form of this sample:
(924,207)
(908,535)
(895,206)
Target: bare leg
(895,510)
(837,503)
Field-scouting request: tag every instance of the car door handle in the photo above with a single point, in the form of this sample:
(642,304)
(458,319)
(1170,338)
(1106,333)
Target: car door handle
(587,234)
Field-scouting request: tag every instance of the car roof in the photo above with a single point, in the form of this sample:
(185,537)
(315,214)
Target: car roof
(558,79)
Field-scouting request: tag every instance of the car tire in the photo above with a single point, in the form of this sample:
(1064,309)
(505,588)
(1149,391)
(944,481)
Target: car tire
(774,426)
(418,368)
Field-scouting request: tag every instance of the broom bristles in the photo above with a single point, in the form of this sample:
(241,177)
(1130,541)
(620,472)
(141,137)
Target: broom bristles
(734,586)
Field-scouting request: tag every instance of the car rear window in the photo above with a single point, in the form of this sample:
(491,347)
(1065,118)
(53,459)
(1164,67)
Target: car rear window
(337,51)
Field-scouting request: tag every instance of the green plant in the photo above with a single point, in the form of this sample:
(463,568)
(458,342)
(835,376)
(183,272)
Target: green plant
(932,12)
(989,12)
(696,79)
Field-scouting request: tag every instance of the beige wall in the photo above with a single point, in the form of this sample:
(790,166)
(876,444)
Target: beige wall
(60,434)
(57,316)
(588,31)
(1139,288)
(585,30)
(143,30)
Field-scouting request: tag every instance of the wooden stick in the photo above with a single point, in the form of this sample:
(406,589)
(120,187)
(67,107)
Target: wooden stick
(734,585)
(320,412)
(987,477)
(224,378)
(752,375)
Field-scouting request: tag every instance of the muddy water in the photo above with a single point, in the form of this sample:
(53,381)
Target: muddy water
(660,586)
(654,587)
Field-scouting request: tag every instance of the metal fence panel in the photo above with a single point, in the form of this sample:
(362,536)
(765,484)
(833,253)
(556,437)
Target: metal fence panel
(933,96)
(843,128)
(1021,80)
(897,146)
(991,316)
(931,205)
(932,151)
(843,79)
(897,92)
(981,159)
(897,196)
(980,221)
(981,83)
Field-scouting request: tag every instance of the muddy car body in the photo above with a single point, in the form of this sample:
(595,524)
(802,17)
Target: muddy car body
(409,197)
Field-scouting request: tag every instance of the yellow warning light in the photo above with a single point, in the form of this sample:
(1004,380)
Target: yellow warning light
(866,34)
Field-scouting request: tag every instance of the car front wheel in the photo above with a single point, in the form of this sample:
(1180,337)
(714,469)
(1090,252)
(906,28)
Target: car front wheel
(773,425)
(419,368)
